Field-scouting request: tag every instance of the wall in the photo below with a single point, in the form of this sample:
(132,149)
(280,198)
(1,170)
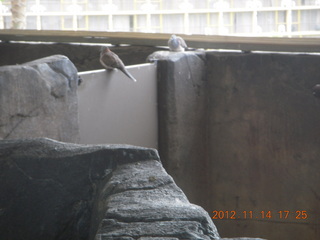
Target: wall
(84,56)
(114,109)
(261,138)
(264,142)
(182,120)
(238,132)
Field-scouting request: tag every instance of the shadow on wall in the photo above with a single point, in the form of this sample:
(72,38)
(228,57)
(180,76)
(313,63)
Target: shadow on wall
(84,56)
(242,140)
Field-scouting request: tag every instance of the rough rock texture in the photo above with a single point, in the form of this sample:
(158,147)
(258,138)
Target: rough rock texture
(39,99)
(242,239)
(58,191)
(144,201)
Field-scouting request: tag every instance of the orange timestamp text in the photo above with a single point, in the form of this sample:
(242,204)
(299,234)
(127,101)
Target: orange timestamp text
(283,214)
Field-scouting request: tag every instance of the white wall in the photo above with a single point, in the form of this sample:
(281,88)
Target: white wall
(115,110)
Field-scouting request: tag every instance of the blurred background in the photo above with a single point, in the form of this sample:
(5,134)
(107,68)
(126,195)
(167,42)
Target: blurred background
(272,18)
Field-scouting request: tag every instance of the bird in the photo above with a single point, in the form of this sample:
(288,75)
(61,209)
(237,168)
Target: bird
(177,44)
(110,60)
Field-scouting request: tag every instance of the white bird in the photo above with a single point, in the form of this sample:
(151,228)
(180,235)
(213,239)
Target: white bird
(176,44)
(110,60)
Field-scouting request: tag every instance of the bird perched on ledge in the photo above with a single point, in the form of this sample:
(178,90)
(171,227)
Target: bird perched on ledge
(110,60)
(177,44)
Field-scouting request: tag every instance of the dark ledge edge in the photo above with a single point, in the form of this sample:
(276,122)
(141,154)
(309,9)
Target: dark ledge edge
(121,153)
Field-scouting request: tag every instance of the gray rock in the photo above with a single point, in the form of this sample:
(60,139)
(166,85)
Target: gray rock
(242,238)
(157,238)
(143,200)
(52,190)
(39,99)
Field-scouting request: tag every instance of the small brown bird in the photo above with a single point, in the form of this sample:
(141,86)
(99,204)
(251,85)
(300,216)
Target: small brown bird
(110,60)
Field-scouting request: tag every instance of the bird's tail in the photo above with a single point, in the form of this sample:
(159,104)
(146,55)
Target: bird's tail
(125,71)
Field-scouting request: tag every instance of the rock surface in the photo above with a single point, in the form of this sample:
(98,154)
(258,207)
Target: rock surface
(52,190)
(39,99)
(242,239)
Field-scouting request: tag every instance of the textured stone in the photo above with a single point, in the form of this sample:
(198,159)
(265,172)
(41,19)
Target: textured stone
(57,191)
(144,201)
(39,99)
(242,239)
(182,117)
(157,238)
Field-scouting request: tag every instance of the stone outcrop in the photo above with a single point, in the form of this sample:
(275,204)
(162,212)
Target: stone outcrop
(39,99)
(242,239)
(52,190)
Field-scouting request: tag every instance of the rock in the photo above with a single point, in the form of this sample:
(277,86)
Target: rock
(143,200)
(157,238)
(39,99)
(52,190)
(242,238)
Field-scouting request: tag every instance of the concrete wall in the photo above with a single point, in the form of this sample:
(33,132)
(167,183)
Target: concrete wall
(84,56)
(264,138)
(246,139)
(115,110)
(182,120)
